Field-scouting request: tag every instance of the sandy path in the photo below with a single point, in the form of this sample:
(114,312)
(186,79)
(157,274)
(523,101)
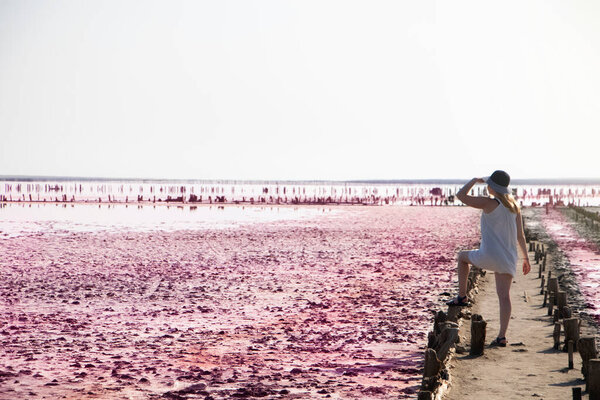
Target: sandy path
(528,367)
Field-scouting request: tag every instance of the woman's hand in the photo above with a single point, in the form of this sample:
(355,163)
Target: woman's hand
(526,267)
(479,180)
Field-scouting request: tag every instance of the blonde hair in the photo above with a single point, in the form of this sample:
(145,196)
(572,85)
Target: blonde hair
(508,201)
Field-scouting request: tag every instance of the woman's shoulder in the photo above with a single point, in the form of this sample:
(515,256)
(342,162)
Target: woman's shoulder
(491,205)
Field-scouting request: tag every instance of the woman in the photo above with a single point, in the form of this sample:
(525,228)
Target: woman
(501,231)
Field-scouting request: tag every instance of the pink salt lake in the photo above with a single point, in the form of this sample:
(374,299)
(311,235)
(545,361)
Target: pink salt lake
(287,302)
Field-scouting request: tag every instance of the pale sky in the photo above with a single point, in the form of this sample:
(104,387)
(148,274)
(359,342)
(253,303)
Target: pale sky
(300,89)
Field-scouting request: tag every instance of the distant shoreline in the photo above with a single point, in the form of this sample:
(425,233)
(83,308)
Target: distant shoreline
(541,181)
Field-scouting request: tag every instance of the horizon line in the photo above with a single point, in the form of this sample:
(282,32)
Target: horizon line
(525,181)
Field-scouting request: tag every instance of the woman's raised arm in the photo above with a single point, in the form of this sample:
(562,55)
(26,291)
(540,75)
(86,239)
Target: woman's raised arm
(474,201)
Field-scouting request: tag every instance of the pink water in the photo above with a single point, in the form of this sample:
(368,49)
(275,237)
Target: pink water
(336,303)
(583,257)
(18,219)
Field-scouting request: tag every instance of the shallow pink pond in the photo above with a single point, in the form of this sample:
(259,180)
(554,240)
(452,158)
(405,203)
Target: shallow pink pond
(583,256)
(335,303)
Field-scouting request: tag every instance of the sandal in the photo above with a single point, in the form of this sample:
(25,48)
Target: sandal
(499,341)
(458,301)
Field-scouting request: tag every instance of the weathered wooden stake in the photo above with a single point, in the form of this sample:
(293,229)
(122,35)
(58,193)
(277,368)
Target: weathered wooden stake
(571,326)
(594,379)
(544,264)
(561,302)
(576,393)
(542,286)
(432,364)
(478,325)
(425,395)
(545,297)
(454,313)
(556,316)
(448,338)
(587,351)
(570,350)
(440,317)
(540,271)
(550,303)
(550,284)
(566,312)
(553,286)
(556,336)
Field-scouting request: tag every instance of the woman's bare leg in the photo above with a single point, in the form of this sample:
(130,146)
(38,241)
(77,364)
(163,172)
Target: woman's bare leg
(503,282)
(463,273)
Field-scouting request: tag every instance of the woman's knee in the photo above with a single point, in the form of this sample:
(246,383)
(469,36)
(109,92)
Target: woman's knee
(503,282)
(503,294)
(504,298)
(463,256)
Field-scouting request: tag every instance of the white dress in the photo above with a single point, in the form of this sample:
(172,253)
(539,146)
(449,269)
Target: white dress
(498,250)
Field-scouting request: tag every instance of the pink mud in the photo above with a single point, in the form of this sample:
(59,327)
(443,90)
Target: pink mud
(336,305)
(583,256)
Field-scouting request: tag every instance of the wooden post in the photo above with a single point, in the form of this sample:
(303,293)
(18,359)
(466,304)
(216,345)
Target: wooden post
(448,338)
(593,381)
(544,264)
(542,286)
(432,364)
(545,297)
(587,351)
(454,313)
(556,336)
(431,339)
(570,350)
(550,303)
(550,283)
(561,302)
(440,317)
(540,271)
(556,316)
(576,393)
(478,326)
(566,312)
(425,395)
(429,385)
(571,326)
(553,286)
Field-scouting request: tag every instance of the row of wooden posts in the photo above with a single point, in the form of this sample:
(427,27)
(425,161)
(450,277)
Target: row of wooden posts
(556,301)
(443,337)
(588,217)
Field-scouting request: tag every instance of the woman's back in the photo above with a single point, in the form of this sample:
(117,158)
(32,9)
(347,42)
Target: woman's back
(499,238)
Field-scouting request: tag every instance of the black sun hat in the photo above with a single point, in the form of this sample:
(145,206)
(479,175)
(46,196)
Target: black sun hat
(499,181)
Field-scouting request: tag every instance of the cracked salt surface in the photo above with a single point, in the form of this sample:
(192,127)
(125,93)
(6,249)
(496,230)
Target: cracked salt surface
(335,303)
